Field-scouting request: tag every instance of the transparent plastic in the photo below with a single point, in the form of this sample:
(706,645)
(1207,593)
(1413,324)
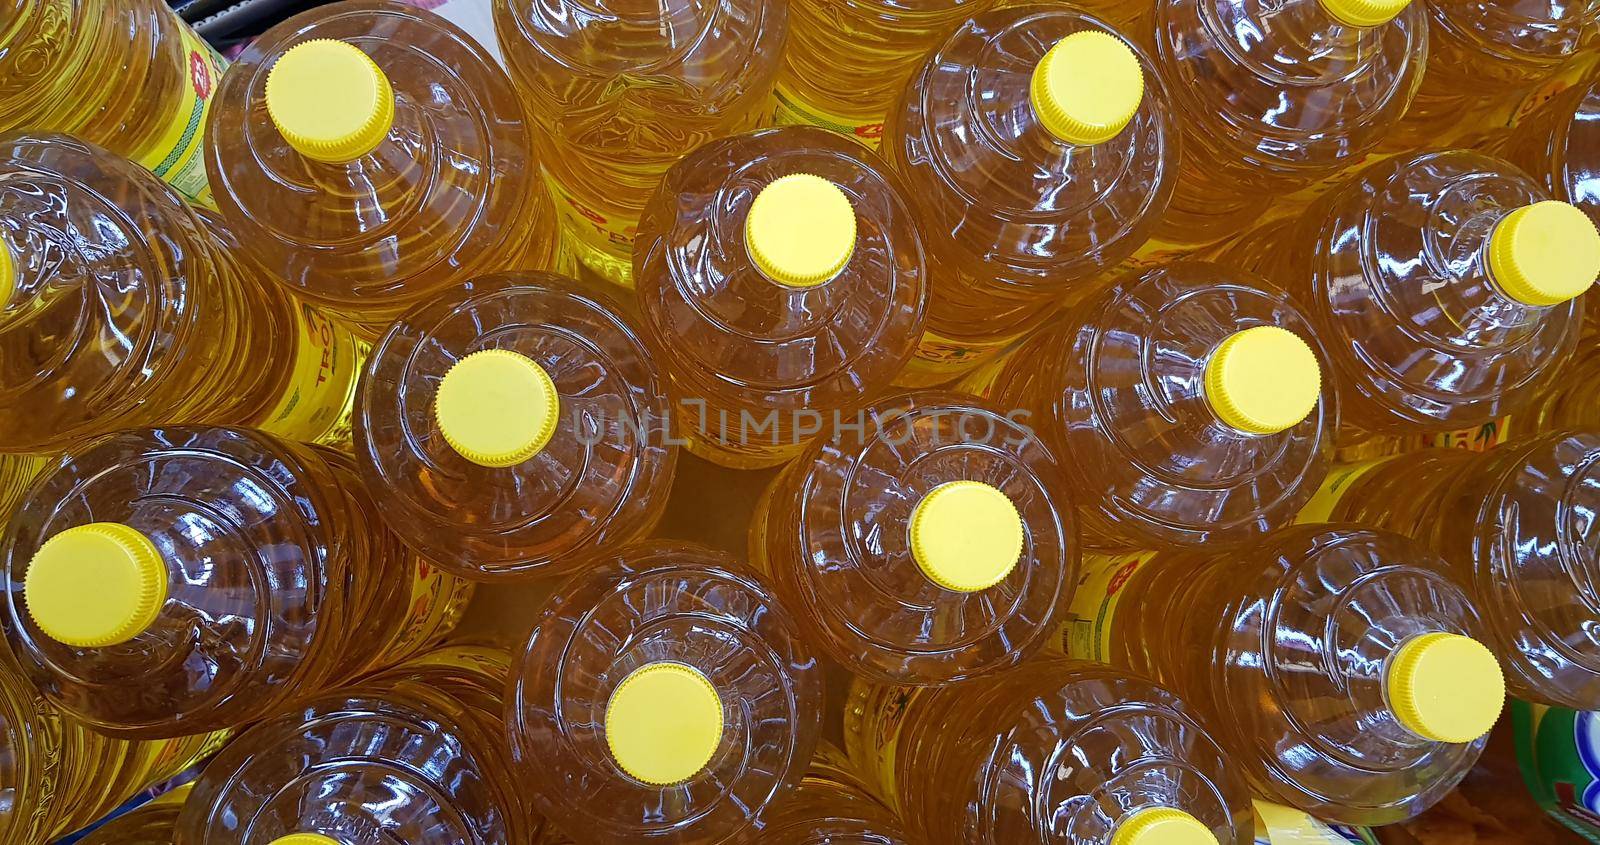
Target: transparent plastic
(846,61)
(154,823)
(1277,95)
(283,580)
(1559,144)
(622,89)
(648,603)
(452,191)
(1117,389)
(832,806)
(17,472)
(1392,267)
(1283,649)
(128,76)
(1057,751)
(604,477)
(1573,400)
(1516,525)
(756,368)
(832,532)
(1017,221)
(127,311)
(414,755)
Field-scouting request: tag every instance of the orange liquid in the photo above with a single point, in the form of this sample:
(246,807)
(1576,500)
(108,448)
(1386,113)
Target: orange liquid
(833,534)
(831,805)
(152,824)
(450,193)
(622,89)
(412,755)
(755,368)
(283,580)
(602,480)
(648,603)
(1117,384)
(1282,649)
(1017,222)
(985,761)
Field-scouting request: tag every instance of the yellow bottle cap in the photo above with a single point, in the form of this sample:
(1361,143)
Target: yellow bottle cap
(329,100)
(305,839)
(95,585)
(1445,687)
(663,723)
(1263,380)
(1087,87)
(1364,13)
(1163,826)
(8,274)
(497,408)
(966,536)
(1545,253)
(801,230)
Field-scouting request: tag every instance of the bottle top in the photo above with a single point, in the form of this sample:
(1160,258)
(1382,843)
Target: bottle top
(329,100)
(1445,687)
(801,230)
(1545,254)
(95,585)
(966,536)
(1163,826)
(305,839)
(663,723)
(1263,380)
(1364,13)
(497,408)
(1087,87)
(8,274)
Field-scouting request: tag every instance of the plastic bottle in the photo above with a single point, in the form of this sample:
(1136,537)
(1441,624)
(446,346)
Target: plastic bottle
(663,696)
(371,154)
(1278,96)
(782,282)
(622,89)
(119,308)
(1559,145)
(17,472)
(152,823)
(414,755)
(846,62)
(514,426)
(129,76)
(1039,149)
(219,572)
(831,806)
(1552,758)
(1512,523)
(1186,405)
(1341,667)
(1056,751)
(1434,282)
(935,545)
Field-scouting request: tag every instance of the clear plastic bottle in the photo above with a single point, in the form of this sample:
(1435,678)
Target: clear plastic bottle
(847,60)
(413,755)
(1341,668)
(1513,524)
(1187,404)
(371,154)
(129,76)
(1040,149)
(514,426)
(153,823)
(17,472)
(121,306)
(1443,284)
(935,545)
(1057,751)
(831,806)
(219,572)
(1277,96)
(622,89)
(782,283)
(664,696)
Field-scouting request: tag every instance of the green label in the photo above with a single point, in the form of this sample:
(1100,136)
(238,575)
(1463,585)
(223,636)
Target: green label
(1558,751)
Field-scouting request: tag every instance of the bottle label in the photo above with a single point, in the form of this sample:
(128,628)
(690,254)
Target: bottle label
(175,154)
(327,364)
(937,353)
(181,753)
(1480,438)
(1280,825)
(1558,751)
(1152,253)
(790,110)
(1321,504)
(437,600)
(1575,71)
(883,718)
(1086,633)
(591,225)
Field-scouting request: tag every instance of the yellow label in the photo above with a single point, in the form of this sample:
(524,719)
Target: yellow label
(590,224)
(175,154)
(790,110)
(1086,634)
(1151,254)
(173,797)
(1479,438)
(1280,825)
(1321,504)
(326,367)
(883,719)
(437,600)
(183,752)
